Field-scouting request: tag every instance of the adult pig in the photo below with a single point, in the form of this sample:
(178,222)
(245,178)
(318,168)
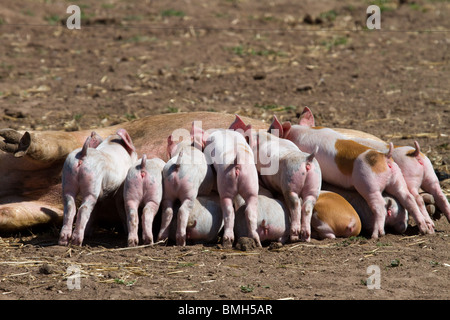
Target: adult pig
(31,162)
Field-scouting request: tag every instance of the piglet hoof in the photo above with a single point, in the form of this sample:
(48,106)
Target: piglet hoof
(181,241)
(147,240)
(64,238)
(295,235)
(305,236)
(77,240)
(63,241)
(427,198)
(227,243)
(133,242)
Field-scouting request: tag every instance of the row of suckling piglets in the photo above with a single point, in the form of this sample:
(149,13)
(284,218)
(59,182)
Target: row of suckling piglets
(285,184)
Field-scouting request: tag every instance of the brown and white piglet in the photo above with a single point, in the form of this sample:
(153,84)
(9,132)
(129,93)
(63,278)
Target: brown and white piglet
(349,164)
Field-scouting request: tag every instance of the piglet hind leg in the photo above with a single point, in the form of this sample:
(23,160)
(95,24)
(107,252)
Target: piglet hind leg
(182,220)
(131,208)
(83,216)
(148,215)
(167,215)
(377,204)
(69,215)
(306,214)
(228,221)
(251,215)
(294,204)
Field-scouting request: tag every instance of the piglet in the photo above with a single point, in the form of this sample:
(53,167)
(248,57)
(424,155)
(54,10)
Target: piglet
(185,176)
(396,215)
(285,169)
(142,187)
(94,173)
(233,162)
(348,164)
(333,216)
(204,223)
(273,223)
(416,168)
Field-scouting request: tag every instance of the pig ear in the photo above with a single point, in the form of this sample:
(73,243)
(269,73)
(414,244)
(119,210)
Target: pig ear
(237,124)
(286,129)
(249,136)
(95,140)
(306,118)
(276,125)
(127,140)
(198,136)
(171,145)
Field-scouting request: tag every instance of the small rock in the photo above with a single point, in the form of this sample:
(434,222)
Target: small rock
(275,245)
(303,88)
(45,269)
(259,76)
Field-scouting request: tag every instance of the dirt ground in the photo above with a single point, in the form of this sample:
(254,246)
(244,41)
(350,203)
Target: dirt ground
(257,58)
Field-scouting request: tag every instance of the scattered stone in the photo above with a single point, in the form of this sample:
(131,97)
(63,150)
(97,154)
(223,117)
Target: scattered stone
(303,88)
(45,269)
(259,76)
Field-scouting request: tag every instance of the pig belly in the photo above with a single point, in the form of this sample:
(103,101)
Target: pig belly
(272,223)
(205,221)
